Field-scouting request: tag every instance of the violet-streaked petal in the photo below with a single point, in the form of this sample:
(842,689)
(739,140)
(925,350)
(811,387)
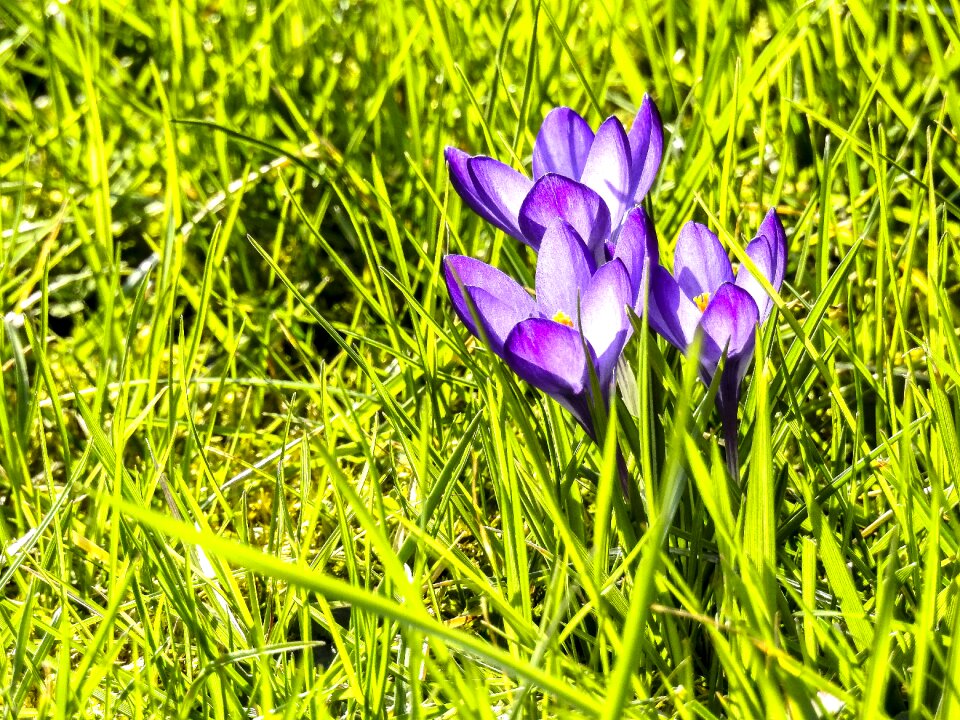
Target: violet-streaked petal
(549,356)
(555,197)
(562,145)
(670,313)
(636,243)
(768,251)
(466,274)
(499,190)
(564,268)
(729,323)
(760,252)
(772,229)
(608,169)
(497,317)
(463,183)
(646,147)
(603,314)
(609,248)
(700,264)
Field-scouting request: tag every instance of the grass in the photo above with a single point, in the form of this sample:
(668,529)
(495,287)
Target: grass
(251,467)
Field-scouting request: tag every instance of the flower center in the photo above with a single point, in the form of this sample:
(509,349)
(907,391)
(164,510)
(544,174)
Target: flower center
(702,301)
(562,318)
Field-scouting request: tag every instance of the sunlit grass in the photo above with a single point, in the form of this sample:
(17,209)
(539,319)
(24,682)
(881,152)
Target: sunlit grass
(251,467)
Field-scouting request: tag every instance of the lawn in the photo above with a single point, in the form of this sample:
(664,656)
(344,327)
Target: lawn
(253,466)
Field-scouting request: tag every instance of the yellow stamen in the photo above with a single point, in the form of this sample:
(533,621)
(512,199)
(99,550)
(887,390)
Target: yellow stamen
(702,301)
(562,318)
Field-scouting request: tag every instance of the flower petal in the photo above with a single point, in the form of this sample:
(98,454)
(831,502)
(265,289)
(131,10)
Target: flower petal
(603,313)
(646,147)
(670,313)
(555,197)
(549,356)
(699,262)
(466,187)
(463,183)
(492,190)
(562,144)
(772,229)
(497,317)
(729,323)
(768,251)
(608,169)
(636,245)
(483,285)
(759,251)
(564,268)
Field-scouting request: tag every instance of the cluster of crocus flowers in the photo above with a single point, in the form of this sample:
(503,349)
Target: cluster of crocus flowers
(576,325)
(597,259)
(579,213)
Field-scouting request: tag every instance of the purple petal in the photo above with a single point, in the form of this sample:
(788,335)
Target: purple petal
(636,245)
(729,323)
(549,356)
(646,147)
(608,169)
(562,144)
(492,190)
(768,252)
(606,325)
(609,248)
(564,268)
(466,187)
(670,313)
(759,251)
(497,317)
(699,262)
(463,183)
(772,229)
(499,301)
(555,197)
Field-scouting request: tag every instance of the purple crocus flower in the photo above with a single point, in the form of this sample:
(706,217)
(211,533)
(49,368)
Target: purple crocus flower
(578,319)
(704,296)
(589,180)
